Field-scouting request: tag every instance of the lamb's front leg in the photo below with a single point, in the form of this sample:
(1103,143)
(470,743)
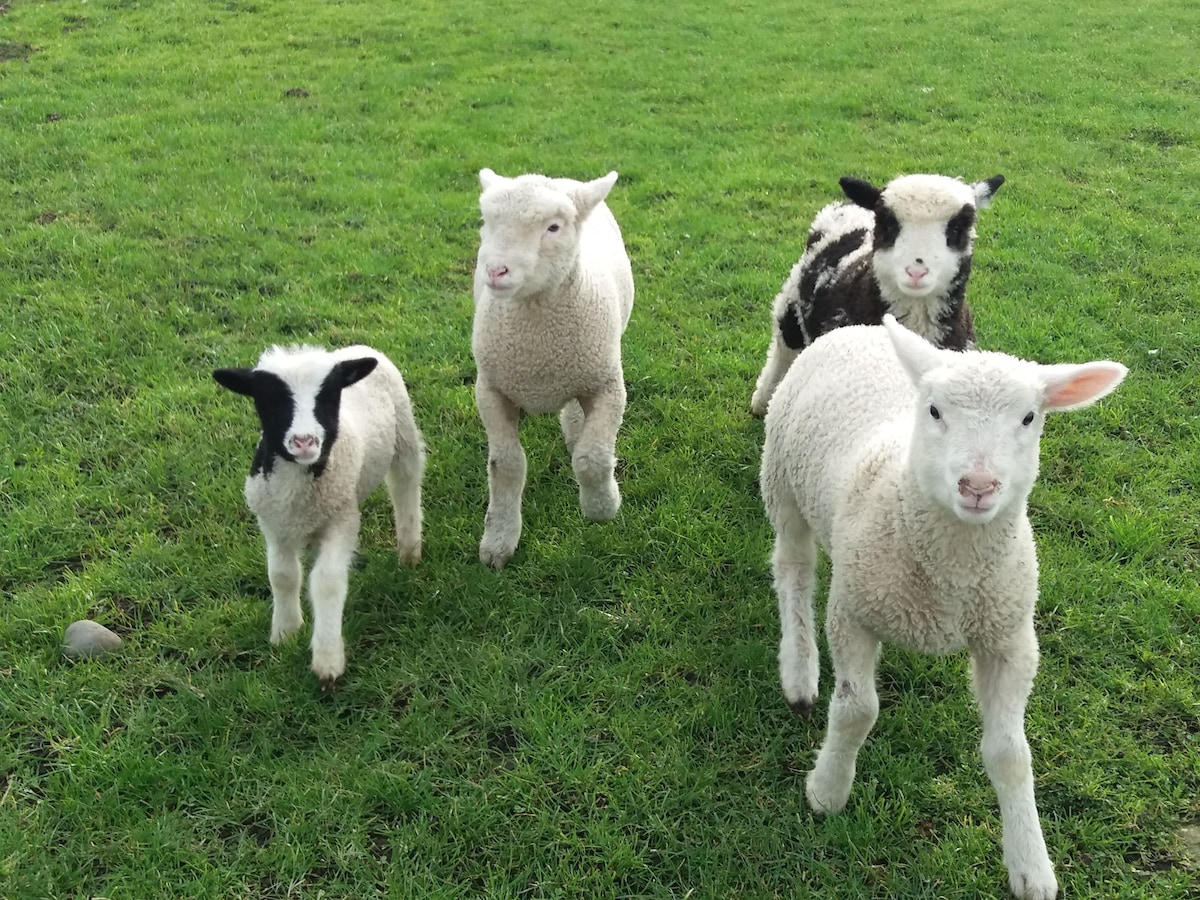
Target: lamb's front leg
(1002,682)
(853,709)
(779,359)
(594,457)
(327,586)
(284,571)
(506,475)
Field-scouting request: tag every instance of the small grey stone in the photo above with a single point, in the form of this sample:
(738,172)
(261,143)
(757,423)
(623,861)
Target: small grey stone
(86,639)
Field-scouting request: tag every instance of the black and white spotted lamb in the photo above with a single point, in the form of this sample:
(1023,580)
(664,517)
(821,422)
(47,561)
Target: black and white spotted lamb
(903,249)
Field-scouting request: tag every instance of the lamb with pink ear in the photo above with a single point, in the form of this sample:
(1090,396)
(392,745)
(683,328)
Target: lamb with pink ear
(911,466)
(553,294)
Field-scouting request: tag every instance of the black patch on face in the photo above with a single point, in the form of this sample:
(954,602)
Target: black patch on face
(328,404)
(956,324)
(887,228)
(326,408)
(958,229)
(275,406)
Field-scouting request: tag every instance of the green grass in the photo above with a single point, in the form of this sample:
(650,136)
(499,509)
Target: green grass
(186,182)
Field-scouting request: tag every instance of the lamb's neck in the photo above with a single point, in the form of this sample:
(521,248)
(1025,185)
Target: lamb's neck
(934,535)
(270,465)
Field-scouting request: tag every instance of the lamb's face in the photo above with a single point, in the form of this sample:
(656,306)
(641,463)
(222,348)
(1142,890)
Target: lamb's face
(924,234)
(297,394)
(976,435)
(529,239)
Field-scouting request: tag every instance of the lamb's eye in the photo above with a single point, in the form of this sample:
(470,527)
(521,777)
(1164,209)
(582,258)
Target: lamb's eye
(936,413)
(554,227)
(1028,420)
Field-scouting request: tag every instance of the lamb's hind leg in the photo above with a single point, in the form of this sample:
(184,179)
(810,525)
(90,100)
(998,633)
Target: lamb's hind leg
(571,421)
(404,488)
(853,708)
(506,476)
(793,564)
(1002,682)
(594,456)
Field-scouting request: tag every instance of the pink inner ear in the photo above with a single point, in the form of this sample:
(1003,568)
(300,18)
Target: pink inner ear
(1087,385)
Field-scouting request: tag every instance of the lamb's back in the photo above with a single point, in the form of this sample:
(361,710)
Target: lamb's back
(838,422)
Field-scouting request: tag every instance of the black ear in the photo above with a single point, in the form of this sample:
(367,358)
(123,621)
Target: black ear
(352,371)
(985,190)
(240,381)
(861,192)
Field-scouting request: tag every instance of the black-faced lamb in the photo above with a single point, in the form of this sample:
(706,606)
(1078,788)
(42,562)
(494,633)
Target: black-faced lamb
(553,294)
(904,249)
(334,426)
(911,465)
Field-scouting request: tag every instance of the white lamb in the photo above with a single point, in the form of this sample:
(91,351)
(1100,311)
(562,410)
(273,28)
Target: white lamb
(553,293)
(334,426)
(911,465)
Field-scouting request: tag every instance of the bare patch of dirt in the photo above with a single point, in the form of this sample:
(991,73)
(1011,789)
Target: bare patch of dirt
(14,50)
(1189,841)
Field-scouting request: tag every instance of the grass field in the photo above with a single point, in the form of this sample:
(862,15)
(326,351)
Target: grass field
(185,182)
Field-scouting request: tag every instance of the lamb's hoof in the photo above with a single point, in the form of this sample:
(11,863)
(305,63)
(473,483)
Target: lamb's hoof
(494,556)
(328,663)
(803,708)
(600,505)
(823,797)
(1039,884)
(409,556)
(280,633)
(328,683)
(758,405)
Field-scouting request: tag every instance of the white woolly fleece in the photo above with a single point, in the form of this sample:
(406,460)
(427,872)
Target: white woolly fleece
(375,423)
(555,335)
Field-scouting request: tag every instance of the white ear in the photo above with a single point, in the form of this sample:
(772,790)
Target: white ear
(917,355)
(1075,386)
(487,178)
(588,195)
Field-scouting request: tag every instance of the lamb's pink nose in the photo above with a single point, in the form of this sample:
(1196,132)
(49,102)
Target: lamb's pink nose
(303,443)
(978,486)
(915,274)
(495,273)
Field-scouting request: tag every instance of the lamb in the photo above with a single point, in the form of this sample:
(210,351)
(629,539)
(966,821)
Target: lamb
(334,425)
(904,249)
(911,465)
(553,294)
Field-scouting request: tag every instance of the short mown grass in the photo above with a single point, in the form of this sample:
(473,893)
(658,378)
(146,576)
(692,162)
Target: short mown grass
(186,182)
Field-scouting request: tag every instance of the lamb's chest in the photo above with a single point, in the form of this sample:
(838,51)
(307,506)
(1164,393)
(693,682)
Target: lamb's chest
(540,356)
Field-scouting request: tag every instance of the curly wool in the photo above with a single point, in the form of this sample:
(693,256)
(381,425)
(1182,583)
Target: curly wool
(911,466)
(553,294)
(374,426)
(553,342)
(854,265)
